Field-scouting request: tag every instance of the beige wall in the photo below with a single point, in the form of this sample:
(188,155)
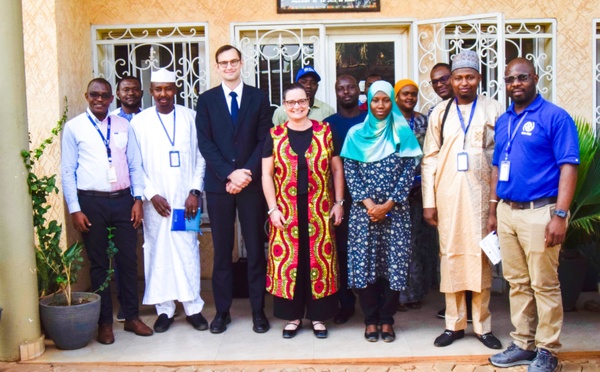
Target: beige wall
(59,57)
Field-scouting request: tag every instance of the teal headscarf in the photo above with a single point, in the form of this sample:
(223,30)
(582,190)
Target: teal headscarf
(375,139)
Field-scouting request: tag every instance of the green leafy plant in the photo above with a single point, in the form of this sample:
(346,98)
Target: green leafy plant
(584,222)
(57,269)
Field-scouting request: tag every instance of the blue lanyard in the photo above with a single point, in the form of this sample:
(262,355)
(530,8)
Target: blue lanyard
(462,121)
(163,125)
(511,136)
(106,140)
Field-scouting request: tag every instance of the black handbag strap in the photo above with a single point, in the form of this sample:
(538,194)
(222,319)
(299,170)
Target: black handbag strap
(444,122)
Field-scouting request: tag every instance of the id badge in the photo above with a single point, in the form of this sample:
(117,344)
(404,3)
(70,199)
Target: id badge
(112,174)
(174,159)
(504,170)
(462,162)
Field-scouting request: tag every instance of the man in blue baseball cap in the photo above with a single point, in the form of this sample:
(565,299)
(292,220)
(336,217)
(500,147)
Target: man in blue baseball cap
(319,110)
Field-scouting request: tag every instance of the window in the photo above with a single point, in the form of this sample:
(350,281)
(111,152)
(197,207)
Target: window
(137,50)
(531,39)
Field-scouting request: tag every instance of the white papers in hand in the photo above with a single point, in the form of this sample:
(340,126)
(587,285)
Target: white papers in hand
(491,246)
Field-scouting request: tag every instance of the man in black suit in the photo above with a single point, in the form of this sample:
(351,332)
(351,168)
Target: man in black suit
(233,120)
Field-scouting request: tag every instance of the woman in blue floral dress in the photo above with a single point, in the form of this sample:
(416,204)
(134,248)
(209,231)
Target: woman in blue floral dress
(380,156)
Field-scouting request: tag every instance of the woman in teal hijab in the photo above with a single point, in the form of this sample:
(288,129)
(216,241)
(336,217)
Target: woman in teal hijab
(380,156)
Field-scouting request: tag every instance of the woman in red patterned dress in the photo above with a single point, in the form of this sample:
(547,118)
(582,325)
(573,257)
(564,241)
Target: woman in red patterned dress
(303,183)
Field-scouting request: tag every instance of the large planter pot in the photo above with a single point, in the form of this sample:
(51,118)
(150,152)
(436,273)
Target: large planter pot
(70,327)
(571,274)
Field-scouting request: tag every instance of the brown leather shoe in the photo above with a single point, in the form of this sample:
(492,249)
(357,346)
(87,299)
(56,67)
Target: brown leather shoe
(105,334)
(138,327)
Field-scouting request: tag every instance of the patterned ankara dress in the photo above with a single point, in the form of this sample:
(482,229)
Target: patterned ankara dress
(379,249)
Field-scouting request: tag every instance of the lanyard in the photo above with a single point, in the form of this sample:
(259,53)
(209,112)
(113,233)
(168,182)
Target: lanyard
(511,136)
(106,140)
(163,125)
(462,121)
(411,123)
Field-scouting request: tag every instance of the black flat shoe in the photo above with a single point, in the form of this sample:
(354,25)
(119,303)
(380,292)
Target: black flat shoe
(197,321)
(291,333)
(219,323)
(371,336)
(162,324)
(448,337)
(319,333)
(489,340)
(388,336)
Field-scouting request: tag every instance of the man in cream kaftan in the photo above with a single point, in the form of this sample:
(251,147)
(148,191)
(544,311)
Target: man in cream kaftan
(456,197)
(174,171)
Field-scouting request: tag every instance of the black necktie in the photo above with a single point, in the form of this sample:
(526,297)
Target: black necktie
(234,107)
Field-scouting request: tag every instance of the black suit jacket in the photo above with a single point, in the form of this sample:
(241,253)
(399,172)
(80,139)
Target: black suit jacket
(227,147)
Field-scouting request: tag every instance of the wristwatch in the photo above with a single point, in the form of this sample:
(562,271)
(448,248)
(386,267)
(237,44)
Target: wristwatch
(560,213)
(195,192)
(137,198)
(340,202)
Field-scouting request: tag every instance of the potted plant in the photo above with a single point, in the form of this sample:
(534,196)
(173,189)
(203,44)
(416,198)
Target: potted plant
(580,245)
(69,319)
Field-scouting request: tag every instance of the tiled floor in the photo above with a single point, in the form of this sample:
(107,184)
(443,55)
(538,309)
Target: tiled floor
(415,330)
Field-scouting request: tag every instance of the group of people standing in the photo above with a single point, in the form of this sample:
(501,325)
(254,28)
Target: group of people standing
(353,198)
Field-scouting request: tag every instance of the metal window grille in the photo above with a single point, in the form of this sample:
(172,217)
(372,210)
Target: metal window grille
(136,50)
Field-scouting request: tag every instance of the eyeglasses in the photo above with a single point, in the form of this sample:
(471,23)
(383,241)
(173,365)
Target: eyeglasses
(444,79)
(301,102)
(233,63)
(521,77)
(95,95)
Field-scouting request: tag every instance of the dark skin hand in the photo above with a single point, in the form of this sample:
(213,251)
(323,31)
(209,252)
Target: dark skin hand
(430,216)
(81,222)
(556,229)
(377,212)
(161,205)
(137,213)
(192,203)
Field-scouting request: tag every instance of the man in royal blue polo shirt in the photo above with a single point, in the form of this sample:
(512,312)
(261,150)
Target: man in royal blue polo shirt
(532,214)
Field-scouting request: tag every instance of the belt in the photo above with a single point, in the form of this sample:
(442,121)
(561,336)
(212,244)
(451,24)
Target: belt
(104,194)
(538,203)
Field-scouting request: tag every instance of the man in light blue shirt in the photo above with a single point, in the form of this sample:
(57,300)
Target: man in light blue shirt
(101,165)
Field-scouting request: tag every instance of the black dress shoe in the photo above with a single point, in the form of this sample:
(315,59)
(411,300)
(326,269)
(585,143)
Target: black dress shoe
(371,336)
(291,332)
(489,340)
(219,323)
(388,336)
(197,321)
(319,333)
(343,316)
(162,324)
(448,337)
(260,322)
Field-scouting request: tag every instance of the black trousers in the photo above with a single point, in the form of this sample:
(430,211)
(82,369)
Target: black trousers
(345,295)
(222,209)
(303,305)
(378,302)
(103,213)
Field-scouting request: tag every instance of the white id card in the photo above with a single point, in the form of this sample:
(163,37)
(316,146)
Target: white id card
(462,162)
(112,174)
(504,170)
(174,159)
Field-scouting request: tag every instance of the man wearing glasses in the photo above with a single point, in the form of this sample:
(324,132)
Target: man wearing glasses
(103,183)
(319,110)
(531,206)
(233,120)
